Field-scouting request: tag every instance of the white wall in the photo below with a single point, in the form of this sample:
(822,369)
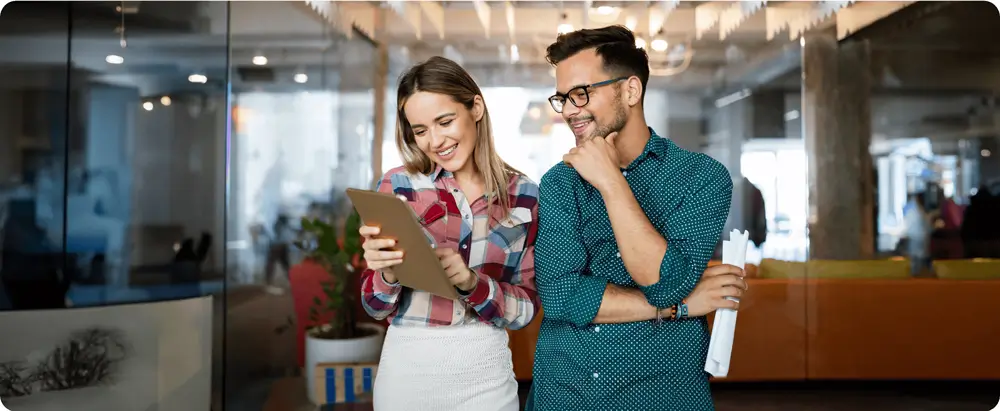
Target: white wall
(167,364)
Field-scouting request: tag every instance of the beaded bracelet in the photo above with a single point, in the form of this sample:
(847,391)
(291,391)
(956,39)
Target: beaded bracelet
(673,314)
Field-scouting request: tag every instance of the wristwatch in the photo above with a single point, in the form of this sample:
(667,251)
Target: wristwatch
(682,309)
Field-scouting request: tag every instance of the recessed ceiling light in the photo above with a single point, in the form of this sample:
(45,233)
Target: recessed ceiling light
(564,28)
(259,60)
(640,43)
(300,78)
(659,45)
(198,78)
(114,59)
(148,106)
(165,100)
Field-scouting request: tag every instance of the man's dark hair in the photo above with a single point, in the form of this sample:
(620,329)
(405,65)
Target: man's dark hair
(614,44)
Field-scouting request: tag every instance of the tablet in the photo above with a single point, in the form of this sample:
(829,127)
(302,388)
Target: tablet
(420,269)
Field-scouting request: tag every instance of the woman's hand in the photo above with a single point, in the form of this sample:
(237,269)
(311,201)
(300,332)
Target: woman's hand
(458,273)
(376,255)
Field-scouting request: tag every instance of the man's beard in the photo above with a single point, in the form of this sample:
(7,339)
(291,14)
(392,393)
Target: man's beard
(615,125)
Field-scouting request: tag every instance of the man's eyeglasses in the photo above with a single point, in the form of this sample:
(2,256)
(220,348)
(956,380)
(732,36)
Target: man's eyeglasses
(579,96)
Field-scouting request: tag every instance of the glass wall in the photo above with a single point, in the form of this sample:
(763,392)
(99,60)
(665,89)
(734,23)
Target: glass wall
(113,189)
(156,159)
(303,113)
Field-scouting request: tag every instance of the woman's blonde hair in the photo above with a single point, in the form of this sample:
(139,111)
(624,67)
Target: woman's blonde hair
(443,76)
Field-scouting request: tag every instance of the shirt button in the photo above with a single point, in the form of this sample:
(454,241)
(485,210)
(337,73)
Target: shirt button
(597,329)
(625,173)
(464,246)
(595,375)
(618,254)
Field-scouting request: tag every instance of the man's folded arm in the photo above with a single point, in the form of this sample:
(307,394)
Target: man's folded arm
(567,293)
(668,280)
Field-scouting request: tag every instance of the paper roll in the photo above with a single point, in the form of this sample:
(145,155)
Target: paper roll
(720,347)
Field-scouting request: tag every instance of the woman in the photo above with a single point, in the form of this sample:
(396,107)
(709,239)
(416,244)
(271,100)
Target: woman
(441,354)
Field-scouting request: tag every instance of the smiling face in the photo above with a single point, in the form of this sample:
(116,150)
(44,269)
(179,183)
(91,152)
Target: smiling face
(606,111)
(444,129)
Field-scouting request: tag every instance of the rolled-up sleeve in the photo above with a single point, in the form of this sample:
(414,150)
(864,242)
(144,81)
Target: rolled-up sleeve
(567,293)
(699,223)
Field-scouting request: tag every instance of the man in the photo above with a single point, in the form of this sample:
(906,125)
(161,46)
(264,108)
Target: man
(627,224)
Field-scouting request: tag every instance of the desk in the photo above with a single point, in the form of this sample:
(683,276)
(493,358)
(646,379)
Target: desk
(289,394)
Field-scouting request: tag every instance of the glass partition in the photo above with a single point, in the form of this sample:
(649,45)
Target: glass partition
(301,132)
(113,192)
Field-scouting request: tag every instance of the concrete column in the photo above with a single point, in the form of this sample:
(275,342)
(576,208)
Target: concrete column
(837,127)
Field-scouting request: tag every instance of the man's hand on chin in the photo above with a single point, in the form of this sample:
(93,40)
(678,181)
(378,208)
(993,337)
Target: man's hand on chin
(596,160)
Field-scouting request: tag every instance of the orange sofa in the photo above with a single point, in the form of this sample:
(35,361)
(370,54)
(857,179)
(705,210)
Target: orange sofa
(843,320)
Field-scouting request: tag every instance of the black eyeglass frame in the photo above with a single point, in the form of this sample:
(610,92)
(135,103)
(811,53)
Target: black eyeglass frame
(562,98)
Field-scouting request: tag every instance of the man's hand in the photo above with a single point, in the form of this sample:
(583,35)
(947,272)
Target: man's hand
(717,283)
(458,273)
(596,160)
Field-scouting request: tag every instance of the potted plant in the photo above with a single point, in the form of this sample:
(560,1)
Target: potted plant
(331,330)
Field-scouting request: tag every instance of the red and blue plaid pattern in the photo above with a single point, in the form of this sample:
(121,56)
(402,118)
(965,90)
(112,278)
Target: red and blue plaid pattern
(500,249)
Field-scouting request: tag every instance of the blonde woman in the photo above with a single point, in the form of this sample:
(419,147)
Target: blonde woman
(441,354)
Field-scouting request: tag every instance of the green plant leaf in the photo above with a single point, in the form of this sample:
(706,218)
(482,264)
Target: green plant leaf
(352,238)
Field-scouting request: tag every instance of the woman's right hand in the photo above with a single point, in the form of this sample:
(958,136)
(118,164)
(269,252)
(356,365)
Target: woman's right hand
(376,255)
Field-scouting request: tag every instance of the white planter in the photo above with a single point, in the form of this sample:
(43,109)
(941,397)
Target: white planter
(363,350)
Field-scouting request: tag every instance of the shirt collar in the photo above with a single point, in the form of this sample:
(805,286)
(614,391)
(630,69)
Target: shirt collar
(439,172)
(657,147)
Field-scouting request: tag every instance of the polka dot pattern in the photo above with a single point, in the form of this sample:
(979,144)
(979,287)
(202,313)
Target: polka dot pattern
(632,366)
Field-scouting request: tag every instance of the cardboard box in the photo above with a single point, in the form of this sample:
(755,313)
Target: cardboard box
(339,383)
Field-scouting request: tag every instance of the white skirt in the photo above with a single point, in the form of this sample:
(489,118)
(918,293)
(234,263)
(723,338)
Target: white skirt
(460,368)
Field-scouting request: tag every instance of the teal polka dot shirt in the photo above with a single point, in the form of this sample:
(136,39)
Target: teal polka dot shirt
(643,365)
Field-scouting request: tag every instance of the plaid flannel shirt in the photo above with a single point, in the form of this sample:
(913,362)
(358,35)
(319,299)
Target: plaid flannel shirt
(501,254)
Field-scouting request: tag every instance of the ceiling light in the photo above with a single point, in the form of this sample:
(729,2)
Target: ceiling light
(515,56)
(564,28)
(631,22)
(148,106)
(985,152)
(165,100)
(659,45)
(259,60)
(300,78)
(114,59)
(640,43)
(198,78)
